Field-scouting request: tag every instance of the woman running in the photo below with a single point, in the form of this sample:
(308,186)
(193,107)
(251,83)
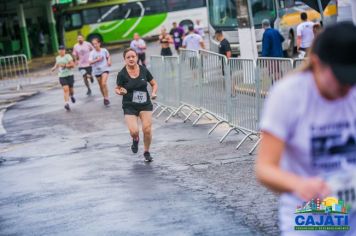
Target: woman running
(309,133)
(64,64)
(100,60)
(132,84)
(165,39)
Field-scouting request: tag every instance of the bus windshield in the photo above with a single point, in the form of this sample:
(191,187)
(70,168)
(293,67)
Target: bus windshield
(262,9)
(222,13)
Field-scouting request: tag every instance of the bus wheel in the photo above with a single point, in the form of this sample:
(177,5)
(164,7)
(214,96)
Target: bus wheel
(290,49)
(94,36)
(185,24)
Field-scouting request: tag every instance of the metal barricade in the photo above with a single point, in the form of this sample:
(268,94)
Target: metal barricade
(299,62)
(14,71)
(270,70)
(156,70)
(215,87)
(189,84)
(243,95)
(168,87)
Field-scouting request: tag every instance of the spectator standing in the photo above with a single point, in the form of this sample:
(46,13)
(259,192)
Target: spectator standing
(199,29)
(271,41)
(165,39)
(193,41)
(305,34)
(139,46)
(177,34)
(224,45)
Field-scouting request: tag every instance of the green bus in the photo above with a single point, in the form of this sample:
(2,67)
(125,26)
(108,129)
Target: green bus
(117,20)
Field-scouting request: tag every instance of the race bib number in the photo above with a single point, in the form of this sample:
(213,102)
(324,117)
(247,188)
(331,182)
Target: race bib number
(343,186)
(139,97)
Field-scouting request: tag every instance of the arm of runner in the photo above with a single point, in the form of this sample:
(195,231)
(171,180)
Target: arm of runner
(108,58)
(184,44)
(201,42)
(228,54)
(170,39)
(70,63)
(54,67)
(154,86)
(299,37)
(120,90)
(271,175)
(120,81)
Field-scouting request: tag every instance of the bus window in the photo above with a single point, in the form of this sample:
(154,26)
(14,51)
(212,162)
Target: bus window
(263,9)
(91,16)
(73,21)
(286,3)
(154,7)
(177,5)
(110,13)
(222,13)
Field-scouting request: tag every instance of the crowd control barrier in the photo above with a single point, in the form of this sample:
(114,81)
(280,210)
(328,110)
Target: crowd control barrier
(231,91)
(14,71)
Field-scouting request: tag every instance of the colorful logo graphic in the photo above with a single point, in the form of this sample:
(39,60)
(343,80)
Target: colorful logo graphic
(327,214)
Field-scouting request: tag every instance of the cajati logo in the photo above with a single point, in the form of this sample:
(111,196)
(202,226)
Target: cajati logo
(327,214)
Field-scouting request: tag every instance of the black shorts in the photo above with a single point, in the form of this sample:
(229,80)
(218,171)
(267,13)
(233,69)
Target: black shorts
(99,76)
(136,109)
(87,69)
(142,57)
(67,81)
(166,52)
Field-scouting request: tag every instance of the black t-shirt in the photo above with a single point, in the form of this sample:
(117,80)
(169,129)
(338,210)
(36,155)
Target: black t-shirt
(137,93)
(224,47)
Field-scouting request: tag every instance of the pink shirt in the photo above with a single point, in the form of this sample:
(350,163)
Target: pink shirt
(82,51)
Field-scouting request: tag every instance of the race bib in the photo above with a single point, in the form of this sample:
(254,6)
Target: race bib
(343,186)
(139,97)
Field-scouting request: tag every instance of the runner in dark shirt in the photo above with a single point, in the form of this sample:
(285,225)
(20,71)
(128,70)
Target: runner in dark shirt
(132,84)
(177,34)
(224,46)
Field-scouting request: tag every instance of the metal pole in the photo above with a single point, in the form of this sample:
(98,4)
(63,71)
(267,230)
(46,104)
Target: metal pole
(246,30)
(321,10)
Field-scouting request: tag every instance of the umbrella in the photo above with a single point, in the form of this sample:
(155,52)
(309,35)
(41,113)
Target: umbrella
(317,4)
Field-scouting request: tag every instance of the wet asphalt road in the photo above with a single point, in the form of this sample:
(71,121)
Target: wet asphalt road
(73,173)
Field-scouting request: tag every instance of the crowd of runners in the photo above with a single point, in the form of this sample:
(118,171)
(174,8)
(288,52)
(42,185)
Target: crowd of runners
(93,60)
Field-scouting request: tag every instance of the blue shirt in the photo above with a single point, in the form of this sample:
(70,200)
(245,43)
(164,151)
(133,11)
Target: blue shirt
(272,43)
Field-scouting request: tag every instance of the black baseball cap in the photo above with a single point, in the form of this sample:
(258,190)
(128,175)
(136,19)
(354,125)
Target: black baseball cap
(336,47)
(61,47)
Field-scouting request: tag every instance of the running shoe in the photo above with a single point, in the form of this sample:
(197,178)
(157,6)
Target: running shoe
(134,146)
(89,92)
(72,99)
(148,157)
(67,107)
(106,102)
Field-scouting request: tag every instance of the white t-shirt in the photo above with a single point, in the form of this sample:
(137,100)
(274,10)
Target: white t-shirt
(192,41)
(100,66)
(318,134)
(305,30)
(200,30)
(135,44)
